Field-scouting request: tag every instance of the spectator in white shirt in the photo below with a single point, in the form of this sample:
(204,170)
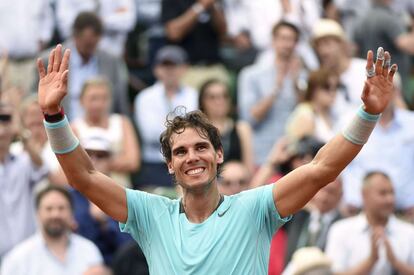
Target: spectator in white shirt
(374,242)
(54,249)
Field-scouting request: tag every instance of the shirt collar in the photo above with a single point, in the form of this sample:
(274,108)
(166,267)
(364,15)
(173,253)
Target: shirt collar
(76,59)
(362,224)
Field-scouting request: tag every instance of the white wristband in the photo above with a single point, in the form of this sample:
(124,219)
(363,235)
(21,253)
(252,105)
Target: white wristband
(61,138)
(360,128)
(197,8)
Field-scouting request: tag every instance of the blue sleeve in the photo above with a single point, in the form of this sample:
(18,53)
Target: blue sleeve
(247,94)
(260,203)
(143,208)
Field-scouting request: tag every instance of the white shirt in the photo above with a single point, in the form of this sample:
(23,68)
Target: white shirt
(34,257)
(23,25)
(349,243)
(390,150)
(258,18)
(18,177)
(151,108)
(118,18)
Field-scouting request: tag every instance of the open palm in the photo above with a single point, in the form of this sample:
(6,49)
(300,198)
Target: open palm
(378,89)
(53,82)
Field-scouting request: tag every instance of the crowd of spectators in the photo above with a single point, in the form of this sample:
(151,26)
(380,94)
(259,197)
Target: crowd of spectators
(278,78)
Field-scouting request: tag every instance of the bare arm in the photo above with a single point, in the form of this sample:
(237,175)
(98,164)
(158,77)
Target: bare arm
(298,187)
(129,159)
(405,42)
(77,166)
(245,133)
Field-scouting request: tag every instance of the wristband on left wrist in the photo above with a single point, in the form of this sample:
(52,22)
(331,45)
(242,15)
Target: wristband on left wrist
(55,117)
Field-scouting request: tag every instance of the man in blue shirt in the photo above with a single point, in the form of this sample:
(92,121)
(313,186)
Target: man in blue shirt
(206,232)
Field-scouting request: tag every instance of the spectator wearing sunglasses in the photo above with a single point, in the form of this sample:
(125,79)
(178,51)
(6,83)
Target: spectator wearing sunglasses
(19,174)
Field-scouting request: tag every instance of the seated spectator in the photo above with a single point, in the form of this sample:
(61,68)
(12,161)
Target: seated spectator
(315,117)
(374,242)
(88,62)
(33,131)
(234,178)
(118,18)
(54,249)
(236,136)
(93,223)
(333,51)
(390,149)
(309,261)
(19,175)
(197,26)
(130,260)
(152,106)
(95,99)
(309,227)
(267,93)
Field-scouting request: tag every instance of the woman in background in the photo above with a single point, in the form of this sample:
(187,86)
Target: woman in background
(214,100)
(95,99)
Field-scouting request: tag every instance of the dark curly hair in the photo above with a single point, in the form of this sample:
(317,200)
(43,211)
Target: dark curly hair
(176,123)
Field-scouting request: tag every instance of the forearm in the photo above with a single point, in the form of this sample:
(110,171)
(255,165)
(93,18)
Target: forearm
(177,28)
(219,20)
(403,268)
(260,110)
(362,269)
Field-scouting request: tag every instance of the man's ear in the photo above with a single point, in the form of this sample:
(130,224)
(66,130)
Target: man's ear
(220,156)
(170,168)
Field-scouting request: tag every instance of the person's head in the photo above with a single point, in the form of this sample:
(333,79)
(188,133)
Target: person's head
(6,134)
(285,37)
(329,42)
(214,99)
(322,87)
(192,149)
(234,178)
(301,152)
(32,117)
(329,197)
(310,260)
(95,97)
(98,147)
(170,65)
(87,31)
(54,207)
(378,195)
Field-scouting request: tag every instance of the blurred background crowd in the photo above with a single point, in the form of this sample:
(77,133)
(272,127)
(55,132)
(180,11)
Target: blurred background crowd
(278,78)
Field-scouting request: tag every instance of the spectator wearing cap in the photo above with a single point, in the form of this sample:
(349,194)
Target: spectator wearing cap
(333,51)
(381,26)
(197,26)
(92,223)
(267,92)
(151,107)
(118,129)
(309,261)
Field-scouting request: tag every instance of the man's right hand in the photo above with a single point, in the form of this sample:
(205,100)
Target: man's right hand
(53,82)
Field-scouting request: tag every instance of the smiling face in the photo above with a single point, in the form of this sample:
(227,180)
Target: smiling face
(193,160)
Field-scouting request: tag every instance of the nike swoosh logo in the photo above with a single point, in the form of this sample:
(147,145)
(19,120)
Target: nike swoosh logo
(222,213)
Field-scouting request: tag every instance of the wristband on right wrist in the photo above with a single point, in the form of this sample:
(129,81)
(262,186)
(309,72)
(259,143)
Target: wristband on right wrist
(361,126)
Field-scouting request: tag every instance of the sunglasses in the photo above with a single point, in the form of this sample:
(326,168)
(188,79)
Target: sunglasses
(5,117)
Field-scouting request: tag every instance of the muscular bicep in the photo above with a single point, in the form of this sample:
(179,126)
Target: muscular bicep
(294,190)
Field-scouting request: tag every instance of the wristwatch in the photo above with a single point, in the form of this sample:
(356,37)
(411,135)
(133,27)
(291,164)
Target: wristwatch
(197,8)
(55,117)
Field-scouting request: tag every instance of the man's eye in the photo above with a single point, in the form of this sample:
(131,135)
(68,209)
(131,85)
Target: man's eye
(180,152)
(201,148)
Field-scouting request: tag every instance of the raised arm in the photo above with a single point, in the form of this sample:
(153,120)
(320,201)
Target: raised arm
(81,174)
(294,190)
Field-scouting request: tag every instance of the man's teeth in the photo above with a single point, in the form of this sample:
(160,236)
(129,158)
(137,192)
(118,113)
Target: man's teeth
(195,171)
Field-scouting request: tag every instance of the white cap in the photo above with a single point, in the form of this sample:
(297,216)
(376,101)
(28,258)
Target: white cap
(327,27)
(309,258)
(96,139)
